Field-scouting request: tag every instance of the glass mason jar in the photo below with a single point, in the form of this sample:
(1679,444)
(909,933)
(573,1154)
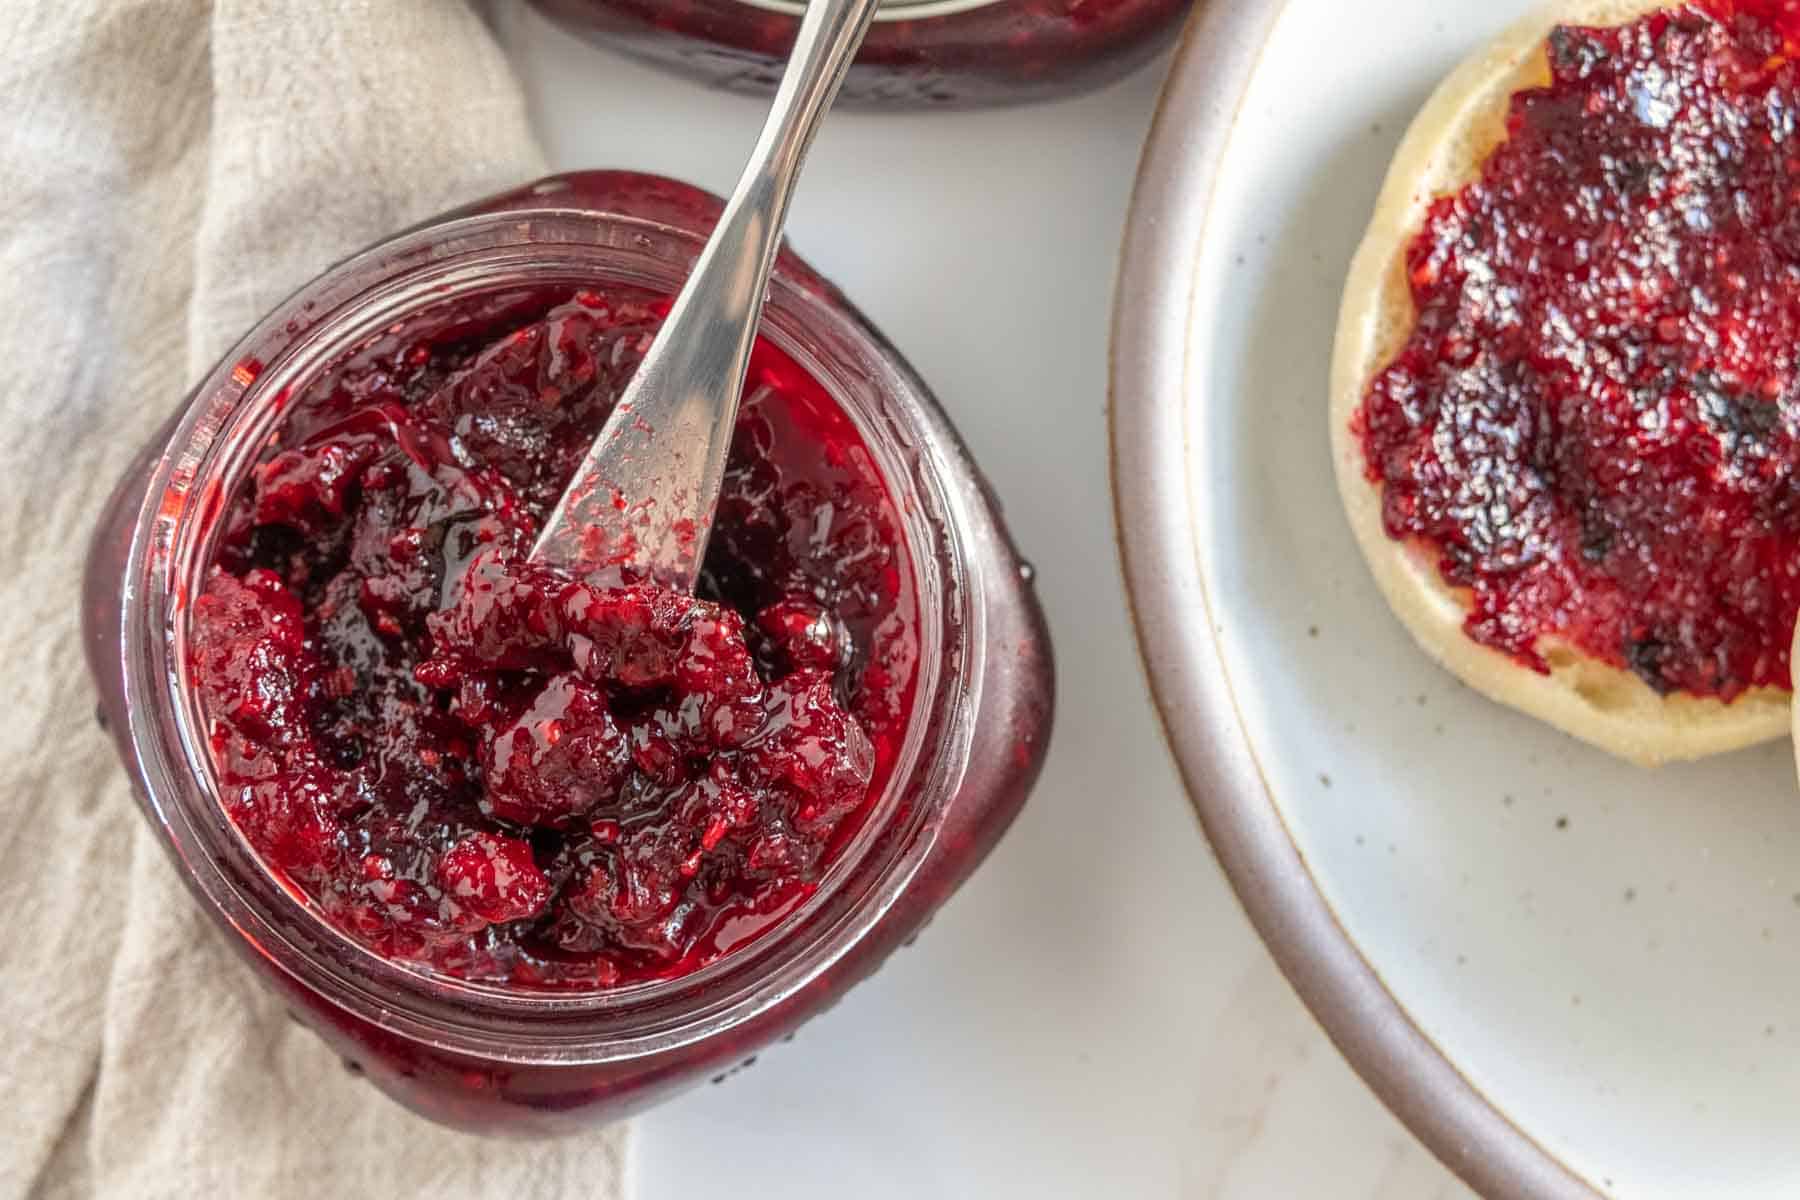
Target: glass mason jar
(487,1057)
(918,52)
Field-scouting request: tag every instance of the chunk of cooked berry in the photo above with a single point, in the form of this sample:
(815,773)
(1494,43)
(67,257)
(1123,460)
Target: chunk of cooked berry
(562,757)
(291,817)
(816,747)
(628,636)
(493,877)
(307,488)
(630,899)
(715,668)
(499,617)
(250,658)
(803,634)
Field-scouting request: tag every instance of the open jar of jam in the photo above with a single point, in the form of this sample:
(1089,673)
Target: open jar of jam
(533,851)
(918,52)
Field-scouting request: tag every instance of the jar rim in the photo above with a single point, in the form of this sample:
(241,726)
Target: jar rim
(205,457)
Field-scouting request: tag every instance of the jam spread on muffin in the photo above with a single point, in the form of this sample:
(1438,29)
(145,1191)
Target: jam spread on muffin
(1594,423)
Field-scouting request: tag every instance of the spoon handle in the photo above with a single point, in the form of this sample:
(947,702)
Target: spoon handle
(645,494)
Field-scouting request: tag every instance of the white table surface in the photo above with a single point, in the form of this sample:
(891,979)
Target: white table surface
(1091,1016)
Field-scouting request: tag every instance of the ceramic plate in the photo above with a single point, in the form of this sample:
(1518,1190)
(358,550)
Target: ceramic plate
(1568,975)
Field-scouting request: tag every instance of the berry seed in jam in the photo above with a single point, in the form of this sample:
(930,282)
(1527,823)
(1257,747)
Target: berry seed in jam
(1595,421)
(515,776)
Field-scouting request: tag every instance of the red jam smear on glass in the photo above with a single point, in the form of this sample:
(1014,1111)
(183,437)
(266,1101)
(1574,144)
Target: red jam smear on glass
(1595,422)
(508,774)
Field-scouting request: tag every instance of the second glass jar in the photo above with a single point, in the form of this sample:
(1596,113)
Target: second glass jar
(918,53)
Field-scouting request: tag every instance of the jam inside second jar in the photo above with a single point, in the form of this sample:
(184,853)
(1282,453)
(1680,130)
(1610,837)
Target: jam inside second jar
(509,774)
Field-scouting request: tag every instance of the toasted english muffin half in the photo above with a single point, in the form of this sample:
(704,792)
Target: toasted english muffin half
(1587,698)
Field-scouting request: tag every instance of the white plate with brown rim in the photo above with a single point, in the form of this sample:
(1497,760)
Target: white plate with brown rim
(1569,976)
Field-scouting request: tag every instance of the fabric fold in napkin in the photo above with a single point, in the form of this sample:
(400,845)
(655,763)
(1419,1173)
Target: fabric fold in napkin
(171,170)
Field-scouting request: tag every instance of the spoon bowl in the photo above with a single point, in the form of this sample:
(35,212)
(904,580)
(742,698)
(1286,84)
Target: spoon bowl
(643,499)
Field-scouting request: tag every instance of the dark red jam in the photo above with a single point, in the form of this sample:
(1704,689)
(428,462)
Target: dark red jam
(979,52)
(1595,423)
(516,776)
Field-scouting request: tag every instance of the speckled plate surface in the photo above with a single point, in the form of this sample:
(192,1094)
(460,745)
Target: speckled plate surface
(1569,976)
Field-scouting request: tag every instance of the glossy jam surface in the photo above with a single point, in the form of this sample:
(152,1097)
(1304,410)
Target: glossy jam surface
(1595,422)
(508,774)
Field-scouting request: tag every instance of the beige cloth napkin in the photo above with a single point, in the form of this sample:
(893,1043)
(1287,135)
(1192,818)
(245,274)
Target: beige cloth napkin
(170,169)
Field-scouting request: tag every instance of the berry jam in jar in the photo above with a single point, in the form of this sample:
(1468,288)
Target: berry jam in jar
(534,850)
(918,52)
(485,765)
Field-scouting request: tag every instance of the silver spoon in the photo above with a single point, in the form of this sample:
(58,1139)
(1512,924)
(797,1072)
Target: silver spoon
(644,496)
